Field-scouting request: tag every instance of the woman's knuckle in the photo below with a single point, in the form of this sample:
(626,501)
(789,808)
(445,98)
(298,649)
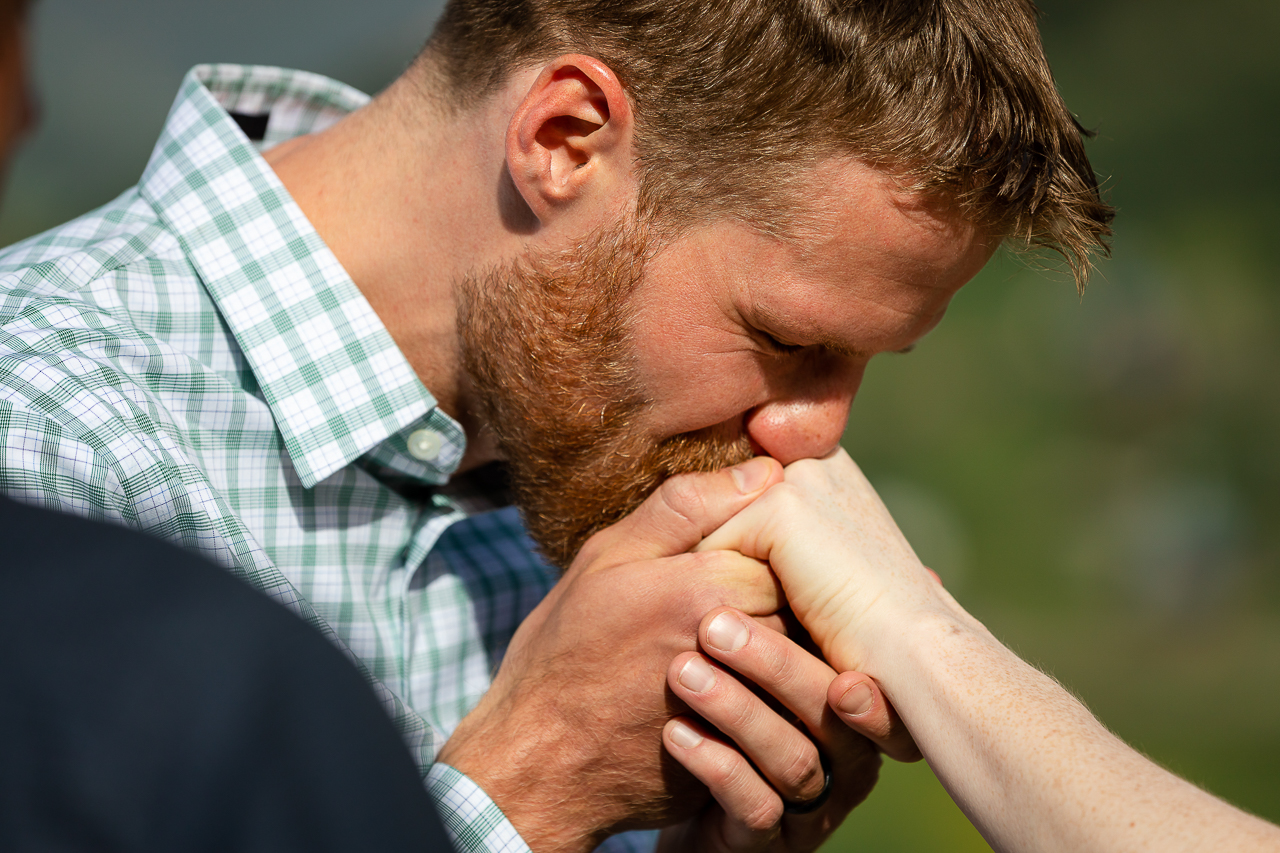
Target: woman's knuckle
(788,497)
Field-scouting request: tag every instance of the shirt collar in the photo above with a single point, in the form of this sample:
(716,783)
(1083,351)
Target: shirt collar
(336,383)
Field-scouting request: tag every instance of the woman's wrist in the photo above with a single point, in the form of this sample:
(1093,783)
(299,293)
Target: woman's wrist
(897,643)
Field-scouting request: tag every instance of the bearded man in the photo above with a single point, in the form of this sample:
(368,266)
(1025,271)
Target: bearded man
(577,249)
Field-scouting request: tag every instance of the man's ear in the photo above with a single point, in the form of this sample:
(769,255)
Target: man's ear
(570,137)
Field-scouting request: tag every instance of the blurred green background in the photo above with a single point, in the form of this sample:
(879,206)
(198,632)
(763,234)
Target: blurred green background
(1096,479)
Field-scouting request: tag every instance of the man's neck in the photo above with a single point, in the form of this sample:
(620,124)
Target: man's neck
(407,198)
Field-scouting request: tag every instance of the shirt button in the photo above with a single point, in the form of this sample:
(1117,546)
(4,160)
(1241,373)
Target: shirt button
(425,444)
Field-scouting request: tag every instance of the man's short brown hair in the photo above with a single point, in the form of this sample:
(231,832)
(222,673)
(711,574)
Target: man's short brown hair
(733,96)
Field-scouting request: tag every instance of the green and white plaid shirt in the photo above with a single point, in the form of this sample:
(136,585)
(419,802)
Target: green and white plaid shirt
(191,360)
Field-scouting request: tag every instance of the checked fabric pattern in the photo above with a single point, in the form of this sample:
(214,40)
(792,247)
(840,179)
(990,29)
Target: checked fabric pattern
(192,361)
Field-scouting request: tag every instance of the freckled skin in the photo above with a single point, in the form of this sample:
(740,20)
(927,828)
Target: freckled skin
(875,278)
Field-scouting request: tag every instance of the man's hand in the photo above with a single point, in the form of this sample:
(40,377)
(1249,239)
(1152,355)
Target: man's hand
(788,760)
(568,740)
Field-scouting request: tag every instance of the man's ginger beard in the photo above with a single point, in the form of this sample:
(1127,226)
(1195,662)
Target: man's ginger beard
(545,342)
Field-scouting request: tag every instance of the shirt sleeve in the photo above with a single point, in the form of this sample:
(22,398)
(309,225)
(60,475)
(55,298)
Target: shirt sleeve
(476,825)
(638,841)
(474,822)
(44,464)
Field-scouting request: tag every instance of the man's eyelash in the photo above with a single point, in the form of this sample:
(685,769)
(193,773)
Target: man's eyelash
(777,345)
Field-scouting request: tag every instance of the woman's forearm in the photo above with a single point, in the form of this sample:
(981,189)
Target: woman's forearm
(1028,763)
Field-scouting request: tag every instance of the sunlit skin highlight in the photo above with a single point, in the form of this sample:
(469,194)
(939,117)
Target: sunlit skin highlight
(748,332)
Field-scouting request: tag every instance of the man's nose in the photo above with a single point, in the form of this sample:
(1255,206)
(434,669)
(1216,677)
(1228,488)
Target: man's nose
(807,423)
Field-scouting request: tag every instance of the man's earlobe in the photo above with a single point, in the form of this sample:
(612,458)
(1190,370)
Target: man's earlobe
(569,136)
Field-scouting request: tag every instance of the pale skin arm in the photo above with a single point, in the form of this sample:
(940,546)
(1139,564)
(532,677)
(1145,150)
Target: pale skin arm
(1029,765)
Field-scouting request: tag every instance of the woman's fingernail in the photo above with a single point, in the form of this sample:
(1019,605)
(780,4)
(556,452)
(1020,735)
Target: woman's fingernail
(727,633)
(684,735)
(697,675)
(751,475)
(857,700)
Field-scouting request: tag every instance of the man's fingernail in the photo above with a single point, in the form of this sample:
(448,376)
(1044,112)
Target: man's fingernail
(751,475)
(684,735)
(727,633)
(697,675)
(857,700)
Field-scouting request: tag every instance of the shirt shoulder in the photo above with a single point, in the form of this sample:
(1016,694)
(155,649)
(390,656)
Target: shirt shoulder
(102,262)
(111,300)
(117,225)
(109,352)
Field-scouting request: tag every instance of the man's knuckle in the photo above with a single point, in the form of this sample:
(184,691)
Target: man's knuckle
(777,664)
(705,599)
(742,714)
(590,551)
(703,560)
(684,498)
(765,815)
(711,565)
(723,773)
(882,727)
(803,776)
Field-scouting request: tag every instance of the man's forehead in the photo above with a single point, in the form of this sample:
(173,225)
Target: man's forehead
(842,197)
(854,226)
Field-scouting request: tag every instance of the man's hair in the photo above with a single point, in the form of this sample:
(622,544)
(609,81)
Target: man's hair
(733,97)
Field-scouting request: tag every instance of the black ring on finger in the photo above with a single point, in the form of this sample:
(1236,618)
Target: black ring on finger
(810,806)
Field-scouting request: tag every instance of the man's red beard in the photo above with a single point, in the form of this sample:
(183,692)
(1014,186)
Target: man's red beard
(545,343)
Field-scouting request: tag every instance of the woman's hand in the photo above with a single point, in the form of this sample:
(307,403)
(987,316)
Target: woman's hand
(849,575)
